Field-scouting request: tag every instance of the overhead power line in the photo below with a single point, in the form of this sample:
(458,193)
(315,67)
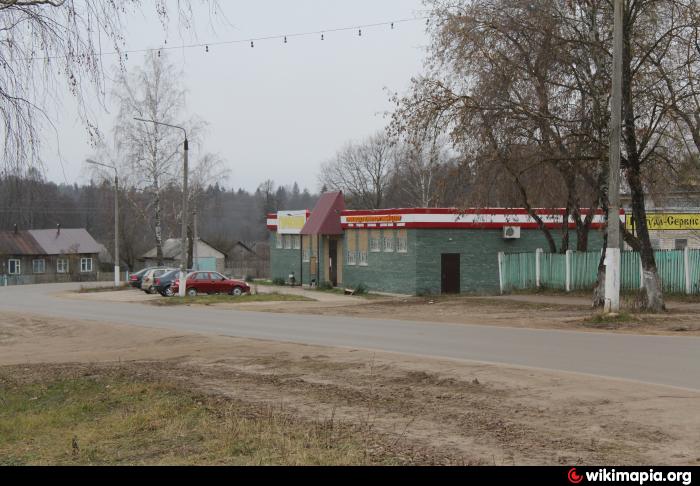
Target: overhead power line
(284,38)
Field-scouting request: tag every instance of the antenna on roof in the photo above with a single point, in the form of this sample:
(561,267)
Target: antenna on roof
(58,229)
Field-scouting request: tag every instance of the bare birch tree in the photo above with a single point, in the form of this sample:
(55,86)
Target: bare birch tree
(152,153)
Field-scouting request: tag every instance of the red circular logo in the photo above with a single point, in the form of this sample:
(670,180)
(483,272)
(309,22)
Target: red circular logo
(574,477)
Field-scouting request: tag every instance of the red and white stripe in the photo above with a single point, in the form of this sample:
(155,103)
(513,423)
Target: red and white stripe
(450,218)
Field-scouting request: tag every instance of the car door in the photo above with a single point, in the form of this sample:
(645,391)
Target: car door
(202,282)
(219,283)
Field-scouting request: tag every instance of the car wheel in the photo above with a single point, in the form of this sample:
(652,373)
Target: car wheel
(192,292)
(168,292)
(237,291)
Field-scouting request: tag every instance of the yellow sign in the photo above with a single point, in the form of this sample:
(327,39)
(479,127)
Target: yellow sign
(668,221)
(374,219)
(290,222)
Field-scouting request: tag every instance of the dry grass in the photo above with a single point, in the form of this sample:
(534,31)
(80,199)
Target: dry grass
(77,415)
(228,299)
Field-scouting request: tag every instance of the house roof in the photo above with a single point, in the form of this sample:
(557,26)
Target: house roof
(66,241)
(19,243)
(172,249)
(325,217)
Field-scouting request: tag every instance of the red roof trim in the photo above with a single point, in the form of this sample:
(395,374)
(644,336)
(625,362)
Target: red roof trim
(542,211)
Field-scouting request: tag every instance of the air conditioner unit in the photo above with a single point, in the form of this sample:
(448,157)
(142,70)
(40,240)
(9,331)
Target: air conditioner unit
(511,232)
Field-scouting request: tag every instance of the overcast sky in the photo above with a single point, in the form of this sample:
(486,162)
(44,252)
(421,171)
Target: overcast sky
(277,110)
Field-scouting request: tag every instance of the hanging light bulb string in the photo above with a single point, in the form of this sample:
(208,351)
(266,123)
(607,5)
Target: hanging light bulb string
(251,40)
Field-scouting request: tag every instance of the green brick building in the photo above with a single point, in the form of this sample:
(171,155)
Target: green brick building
(405,251)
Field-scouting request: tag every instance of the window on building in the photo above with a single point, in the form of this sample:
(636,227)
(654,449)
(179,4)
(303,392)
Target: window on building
(375,241)
(287,242)
(296,242)
(362,247)
(14,267)
(279,241)
(62,265)
(681,244)
(39,266)
(402,241)
(388,240)
(306,250)
(86,265)
(351,247)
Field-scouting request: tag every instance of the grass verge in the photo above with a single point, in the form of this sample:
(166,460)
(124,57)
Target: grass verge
(92,290)
(229,299)
(77,415)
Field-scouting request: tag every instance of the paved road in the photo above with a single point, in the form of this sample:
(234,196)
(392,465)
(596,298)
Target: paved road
(666,360)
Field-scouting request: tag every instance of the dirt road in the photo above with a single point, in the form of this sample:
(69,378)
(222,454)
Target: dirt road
(464,412)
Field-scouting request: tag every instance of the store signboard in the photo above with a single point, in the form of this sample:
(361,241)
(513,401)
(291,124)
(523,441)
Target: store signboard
(667,221)
(291,222)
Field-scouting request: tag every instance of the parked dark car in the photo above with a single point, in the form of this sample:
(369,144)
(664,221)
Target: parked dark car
(163,284)
(135,278)
(211,283)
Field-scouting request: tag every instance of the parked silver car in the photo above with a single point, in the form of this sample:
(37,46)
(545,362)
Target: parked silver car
(147,283)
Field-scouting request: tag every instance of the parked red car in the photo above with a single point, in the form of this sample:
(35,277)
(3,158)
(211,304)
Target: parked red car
(211,283)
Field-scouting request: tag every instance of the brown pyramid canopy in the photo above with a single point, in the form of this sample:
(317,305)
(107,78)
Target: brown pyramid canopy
(325,218)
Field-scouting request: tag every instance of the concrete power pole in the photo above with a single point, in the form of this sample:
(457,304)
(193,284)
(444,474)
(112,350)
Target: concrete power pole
(612,256)
(185,246)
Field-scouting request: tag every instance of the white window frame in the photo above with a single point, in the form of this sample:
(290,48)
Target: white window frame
(43,266)
(389,244)
(296,242)
(350,258)
(362,258)
(17,264)
(83,266)
(287,241)
(402,245)
(62,265)
(280,241)
(306,255)
(375,245)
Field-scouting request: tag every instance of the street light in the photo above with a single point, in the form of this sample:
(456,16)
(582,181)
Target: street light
(116,218)
(183,259)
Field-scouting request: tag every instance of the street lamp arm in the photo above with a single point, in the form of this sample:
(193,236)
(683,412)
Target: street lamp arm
(90,161)
(164,124)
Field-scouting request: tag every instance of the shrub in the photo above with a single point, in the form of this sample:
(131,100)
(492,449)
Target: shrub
(360,289)
(325,286)
(249,278)
(278,281)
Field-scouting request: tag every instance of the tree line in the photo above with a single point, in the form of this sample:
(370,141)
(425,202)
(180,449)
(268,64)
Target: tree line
(224,216)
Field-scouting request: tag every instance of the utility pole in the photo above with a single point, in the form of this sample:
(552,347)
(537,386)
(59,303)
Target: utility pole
(195,237)
(612,255)
(116,219)
(183,243)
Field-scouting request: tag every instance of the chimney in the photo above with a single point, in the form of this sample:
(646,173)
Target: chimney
(58,229)
(16,230)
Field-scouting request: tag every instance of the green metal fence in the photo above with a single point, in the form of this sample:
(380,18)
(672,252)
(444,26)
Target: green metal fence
(679,270)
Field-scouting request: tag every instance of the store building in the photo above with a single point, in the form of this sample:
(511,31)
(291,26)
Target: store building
(406,251)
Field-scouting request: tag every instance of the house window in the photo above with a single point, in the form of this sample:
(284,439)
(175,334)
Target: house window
(402,241)
(287,241)
(62,266)
(296,241)
(39,266)
(86,265)
(14,267)
(279,241)
(351,258)
(362,247)
(388,241)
